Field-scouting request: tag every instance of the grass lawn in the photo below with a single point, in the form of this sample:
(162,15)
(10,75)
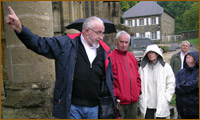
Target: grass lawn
(194,41)
(173,101)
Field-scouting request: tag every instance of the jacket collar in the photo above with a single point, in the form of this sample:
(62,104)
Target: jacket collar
(74,36)
(105,47)
(121,52)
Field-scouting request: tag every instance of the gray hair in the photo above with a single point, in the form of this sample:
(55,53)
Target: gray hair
(122,32)
(89,22)
(185,42)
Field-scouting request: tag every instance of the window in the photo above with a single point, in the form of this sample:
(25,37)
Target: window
(141,21)
(92,8)
(153,21)
(89,8)
(148,34)
(142,35)
(86,9)
(137,34)
(153,36)
(129,22)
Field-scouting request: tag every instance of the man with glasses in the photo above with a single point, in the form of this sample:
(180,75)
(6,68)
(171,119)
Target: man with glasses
(81,66)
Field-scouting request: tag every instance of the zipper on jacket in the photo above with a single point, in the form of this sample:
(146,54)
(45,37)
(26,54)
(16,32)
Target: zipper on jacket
(128,75)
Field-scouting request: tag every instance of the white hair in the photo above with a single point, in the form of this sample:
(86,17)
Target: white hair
(185,42)
(122,32)
(89,22)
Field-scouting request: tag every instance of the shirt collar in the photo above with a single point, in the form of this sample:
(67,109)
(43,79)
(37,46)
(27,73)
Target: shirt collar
(182,54)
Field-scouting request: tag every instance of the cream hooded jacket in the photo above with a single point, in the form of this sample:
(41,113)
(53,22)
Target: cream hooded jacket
(165,83)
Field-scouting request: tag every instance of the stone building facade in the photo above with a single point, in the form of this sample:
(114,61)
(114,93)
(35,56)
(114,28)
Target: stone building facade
(148,19)
(28,79)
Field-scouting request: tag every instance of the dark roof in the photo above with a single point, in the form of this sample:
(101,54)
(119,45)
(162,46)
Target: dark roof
(143,8)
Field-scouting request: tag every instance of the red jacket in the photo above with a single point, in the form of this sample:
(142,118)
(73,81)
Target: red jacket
(127,83)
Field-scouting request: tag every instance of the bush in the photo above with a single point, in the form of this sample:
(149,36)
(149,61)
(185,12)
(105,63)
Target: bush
(194,41)
(164,48)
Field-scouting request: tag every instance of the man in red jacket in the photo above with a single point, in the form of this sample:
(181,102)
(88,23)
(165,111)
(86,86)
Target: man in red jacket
(127,83)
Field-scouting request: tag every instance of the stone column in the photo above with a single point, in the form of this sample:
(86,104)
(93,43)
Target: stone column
(57,17)
(31,77)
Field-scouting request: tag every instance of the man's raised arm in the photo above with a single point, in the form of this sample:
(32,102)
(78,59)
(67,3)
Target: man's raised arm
(13,21)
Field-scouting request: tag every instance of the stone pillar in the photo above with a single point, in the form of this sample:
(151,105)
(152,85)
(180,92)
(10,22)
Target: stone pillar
(101,10)
(79,6)
(71,11)
(31,77)
(57,21)
(66,10)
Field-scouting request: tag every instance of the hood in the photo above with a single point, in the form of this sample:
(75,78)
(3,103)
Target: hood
(195,55)
(155,49)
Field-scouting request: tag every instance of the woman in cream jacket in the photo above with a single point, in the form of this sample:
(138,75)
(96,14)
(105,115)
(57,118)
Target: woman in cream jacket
(157,84)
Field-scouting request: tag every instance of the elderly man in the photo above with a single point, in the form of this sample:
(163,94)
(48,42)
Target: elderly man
(80,66)
(177,59)
(127,84)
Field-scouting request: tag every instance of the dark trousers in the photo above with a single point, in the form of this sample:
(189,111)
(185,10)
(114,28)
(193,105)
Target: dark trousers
(150,114)
(128,111)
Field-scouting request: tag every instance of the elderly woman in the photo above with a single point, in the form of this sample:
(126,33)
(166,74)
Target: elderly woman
(187,87)
(157,84)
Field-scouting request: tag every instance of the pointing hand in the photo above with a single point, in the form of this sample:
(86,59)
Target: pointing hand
(13,21)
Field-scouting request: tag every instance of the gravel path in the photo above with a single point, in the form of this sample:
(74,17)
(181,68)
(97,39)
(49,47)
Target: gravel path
(167,56)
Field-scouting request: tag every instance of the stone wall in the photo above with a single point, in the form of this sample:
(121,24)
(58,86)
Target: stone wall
(167,24)
(31,77)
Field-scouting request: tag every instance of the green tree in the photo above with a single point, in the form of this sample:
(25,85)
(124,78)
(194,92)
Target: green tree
(125,5)
(191,17)
(177,9)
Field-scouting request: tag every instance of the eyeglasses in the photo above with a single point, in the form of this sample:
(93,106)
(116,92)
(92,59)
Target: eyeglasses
(99,33)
